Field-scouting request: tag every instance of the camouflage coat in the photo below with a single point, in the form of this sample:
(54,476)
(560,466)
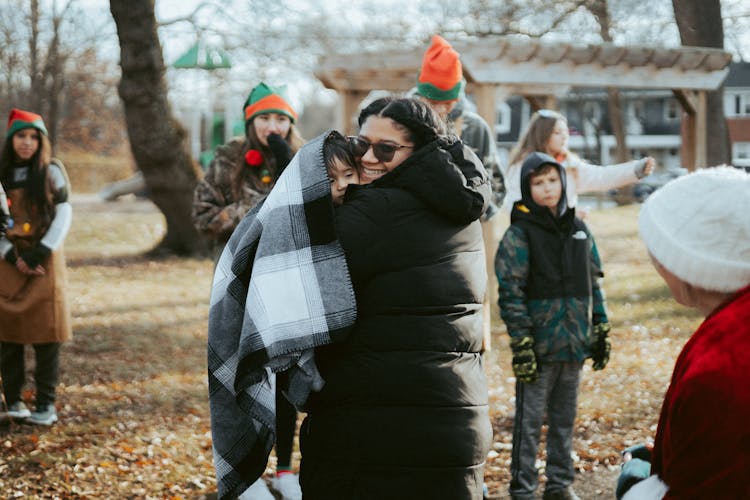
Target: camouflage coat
(548,274)
(216,210)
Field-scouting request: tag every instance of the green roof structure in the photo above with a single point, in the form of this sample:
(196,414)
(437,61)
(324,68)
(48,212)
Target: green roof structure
(203,57)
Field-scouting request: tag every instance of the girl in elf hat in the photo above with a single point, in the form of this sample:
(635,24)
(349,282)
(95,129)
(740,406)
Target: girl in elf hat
(33,306)
(244,170)
(241,174)
(548,132)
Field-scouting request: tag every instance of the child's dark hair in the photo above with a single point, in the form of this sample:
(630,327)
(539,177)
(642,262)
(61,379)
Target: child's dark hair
(336,147)
(422,124)
(39,187)
(542,169)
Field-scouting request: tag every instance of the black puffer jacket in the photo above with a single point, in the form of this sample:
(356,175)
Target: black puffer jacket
(404,410)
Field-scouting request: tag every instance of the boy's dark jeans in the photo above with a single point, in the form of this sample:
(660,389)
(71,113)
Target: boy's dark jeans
(556,394)
(46,371)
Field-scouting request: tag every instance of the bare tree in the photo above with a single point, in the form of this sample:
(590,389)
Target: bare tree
(157,140)
(600,10)
(700,24)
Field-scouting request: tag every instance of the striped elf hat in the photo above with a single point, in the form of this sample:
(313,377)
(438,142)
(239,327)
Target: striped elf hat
(19,119)
(266,99)
(441,76)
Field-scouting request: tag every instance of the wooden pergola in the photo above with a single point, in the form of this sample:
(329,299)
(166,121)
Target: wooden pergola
(540,72)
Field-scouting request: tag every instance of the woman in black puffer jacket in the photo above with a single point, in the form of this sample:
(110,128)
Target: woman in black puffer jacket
(403,413)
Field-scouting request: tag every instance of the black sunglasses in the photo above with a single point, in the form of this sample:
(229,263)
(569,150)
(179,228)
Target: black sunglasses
(383,151)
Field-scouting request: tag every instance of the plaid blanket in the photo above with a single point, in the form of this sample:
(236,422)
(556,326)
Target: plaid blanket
(281,288)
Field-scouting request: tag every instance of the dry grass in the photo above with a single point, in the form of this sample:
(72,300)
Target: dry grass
(620,405)
(133,394)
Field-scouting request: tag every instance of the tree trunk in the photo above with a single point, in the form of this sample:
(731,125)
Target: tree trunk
(700,25)
(600,10)
(157,140)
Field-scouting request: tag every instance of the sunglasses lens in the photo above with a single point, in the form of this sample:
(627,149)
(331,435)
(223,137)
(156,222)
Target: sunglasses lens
(381,151)
(384,152)
(358,146)
(547,113)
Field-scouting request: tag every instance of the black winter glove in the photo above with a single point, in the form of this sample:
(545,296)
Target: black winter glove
(281,151)
(524,359)
(600,345)
(11,257)
(35,256)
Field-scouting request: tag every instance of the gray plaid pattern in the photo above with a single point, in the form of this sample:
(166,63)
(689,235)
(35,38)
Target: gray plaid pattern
(280,289)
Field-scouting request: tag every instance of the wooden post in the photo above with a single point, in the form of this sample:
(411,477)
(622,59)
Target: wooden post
(351,100)
(690,105)
(701,132)
(486,106)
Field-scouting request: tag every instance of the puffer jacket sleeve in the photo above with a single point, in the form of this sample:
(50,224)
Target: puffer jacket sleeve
(360,229)
(512,270)
(215,211)
(478,183)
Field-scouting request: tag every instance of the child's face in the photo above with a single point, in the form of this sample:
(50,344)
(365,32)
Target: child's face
(546,189)
(558,140)
(271,123)
(26,143)
(341,175)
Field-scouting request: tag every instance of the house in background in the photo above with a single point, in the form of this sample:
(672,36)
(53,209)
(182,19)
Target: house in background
(737,111)
(652,122)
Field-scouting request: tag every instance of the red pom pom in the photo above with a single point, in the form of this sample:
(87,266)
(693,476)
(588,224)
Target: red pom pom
(253,158)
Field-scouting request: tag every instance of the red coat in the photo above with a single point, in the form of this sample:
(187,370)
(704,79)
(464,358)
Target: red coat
(702,447)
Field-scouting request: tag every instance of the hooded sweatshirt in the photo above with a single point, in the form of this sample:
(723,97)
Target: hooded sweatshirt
(548,267)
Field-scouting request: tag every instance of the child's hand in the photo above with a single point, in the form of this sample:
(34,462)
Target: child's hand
(22,266)
(524,359)
(644,167)
(600,345)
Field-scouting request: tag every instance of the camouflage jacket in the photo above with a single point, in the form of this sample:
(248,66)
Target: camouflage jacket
(216,212)
(548,275)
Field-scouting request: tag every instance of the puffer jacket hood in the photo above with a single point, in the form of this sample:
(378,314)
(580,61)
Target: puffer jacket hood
(532,162)
(445,175)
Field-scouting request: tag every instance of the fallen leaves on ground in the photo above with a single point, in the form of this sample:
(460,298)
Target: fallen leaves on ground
(133,401)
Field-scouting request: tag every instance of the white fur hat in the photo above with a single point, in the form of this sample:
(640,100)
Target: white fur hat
(698,228)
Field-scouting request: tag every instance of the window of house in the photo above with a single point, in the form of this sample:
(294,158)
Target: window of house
(592,111)
(739,104)
(502,126)
(636,110)
(671,110)
(741,153)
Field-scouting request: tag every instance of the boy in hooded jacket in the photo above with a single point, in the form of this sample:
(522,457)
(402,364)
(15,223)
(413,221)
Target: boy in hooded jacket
(548,272)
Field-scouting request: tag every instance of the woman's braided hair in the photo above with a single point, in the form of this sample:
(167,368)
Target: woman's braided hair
(419,121)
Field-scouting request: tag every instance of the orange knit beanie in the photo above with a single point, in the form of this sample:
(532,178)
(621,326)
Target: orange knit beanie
(441,75)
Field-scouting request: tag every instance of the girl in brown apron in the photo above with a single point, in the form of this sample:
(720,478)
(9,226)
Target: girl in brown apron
(33,306)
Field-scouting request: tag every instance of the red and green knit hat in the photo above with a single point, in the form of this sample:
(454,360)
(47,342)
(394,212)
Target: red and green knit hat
(441,77)
(266,99)
(20,119)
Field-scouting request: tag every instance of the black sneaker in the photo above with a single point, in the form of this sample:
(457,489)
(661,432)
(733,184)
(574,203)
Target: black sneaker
(563,494)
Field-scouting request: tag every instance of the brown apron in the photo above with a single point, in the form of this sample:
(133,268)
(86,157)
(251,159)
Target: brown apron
(33,309)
